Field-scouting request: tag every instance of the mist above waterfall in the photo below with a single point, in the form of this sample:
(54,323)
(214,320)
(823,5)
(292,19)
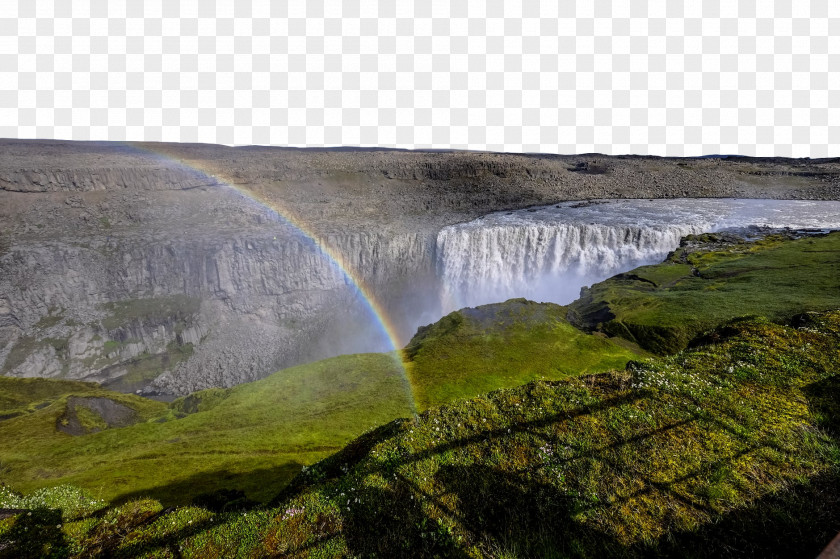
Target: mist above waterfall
(549,253)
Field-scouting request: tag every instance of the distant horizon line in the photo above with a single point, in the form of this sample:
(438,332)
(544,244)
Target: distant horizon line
(362,148)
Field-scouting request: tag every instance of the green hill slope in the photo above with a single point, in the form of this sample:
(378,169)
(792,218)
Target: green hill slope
(233,439)
(726,449)
(711,279)
(475,350)
(636,463)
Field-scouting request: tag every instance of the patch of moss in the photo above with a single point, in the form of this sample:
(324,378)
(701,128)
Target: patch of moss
(50,320)
(89,420)
(675,456)
(24,346)
(146,367)
(664,307)
(27,345)
(475,350)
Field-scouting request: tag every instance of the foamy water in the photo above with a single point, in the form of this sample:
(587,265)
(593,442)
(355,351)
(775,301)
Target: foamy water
(549,253)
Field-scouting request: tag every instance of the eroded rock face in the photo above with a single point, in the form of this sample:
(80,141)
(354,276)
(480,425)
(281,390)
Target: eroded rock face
(210,311)
(178,267)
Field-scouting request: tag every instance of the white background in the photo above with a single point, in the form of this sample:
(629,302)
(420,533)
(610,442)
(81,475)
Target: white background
(752,77)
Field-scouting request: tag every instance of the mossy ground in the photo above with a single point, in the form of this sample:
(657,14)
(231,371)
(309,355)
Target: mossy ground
(264,430)
(476,350)
(663,307)
(232,439)
(726,449)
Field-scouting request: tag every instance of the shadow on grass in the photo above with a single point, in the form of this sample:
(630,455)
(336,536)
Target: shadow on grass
(215,488)
(504,514)
(509,512)
(824,401)
(515,516)
(39,534)
(796,522)
(395,527)
(34,535)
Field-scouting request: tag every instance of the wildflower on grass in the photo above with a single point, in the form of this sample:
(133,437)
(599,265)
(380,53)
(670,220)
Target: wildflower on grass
(292,512)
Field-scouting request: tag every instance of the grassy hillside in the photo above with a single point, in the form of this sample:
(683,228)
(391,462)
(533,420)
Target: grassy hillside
(235,438)
(709,280)
(727,449)
(232,439)
(20,396)
(475,350)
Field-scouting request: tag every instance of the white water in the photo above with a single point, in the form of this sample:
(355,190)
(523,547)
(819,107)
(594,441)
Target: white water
(549,253)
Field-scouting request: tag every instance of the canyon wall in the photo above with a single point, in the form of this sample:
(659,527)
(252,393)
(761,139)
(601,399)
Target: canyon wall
(151,267)
(210,310)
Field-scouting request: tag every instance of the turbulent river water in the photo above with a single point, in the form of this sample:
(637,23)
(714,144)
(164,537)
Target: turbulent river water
(549,253)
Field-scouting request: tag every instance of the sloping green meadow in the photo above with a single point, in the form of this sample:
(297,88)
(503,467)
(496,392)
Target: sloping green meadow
(235,438)
(476,350)
(663,307)
(726,449)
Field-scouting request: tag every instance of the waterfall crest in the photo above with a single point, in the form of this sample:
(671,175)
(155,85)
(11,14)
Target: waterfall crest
(549,253)
(544,262)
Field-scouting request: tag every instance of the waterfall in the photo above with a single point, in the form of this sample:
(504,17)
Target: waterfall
(549,253)
(544,262)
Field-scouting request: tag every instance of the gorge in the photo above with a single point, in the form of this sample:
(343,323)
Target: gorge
(172,268)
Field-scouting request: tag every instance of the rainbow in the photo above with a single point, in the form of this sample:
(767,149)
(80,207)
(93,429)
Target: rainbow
(334,257)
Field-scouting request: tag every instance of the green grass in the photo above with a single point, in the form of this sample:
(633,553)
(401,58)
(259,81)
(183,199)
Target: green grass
(264,429)
(726,449)
(50,320)
(233,438)
(476,350)
(663,307)
(25,395)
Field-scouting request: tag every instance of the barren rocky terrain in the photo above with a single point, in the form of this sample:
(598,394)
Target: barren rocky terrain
(140,266)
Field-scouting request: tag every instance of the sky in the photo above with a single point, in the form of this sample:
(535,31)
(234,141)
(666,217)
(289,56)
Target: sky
(694,77)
